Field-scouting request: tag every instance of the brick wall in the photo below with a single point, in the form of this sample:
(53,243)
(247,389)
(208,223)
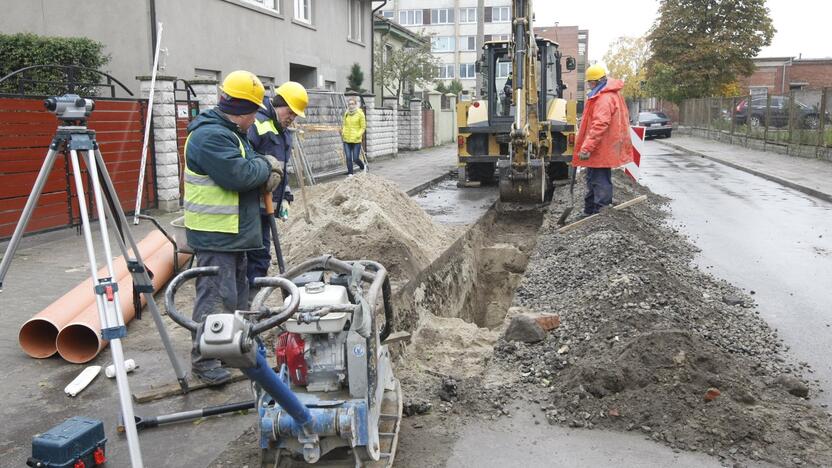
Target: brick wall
(382,129)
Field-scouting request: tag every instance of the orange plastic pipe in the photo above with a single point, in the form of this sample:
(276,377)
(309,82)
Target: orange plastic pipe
(80,340)
(37,336)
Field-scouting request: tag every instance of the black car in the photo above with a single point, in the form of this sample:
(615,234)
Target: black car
(655,123)
(805,115)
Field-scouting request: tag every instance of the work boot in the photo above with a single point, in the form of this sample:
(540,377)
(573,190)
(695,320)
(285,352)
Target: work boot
(212,377)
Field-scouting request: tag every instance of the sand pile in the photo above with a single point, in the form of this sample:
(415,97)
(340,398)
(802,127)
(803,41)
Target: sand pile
(364,217)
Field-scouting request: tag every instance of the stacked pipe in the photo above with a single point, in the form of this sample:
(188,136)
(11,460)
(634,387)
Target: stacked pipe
(70,326)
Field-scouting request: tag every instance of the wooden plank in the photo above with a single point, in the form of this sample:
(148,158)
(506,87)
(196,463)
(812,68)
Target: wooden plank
(621,206)
(22,104)
(169,390)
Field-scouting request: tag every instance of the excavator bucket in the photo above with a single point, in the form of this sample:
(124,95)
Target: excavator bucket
(526,184)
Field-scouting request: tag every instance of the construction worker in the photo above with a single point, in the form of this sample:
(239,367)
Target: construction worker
(224,178)
(604,138)
(270,134)
(352,131)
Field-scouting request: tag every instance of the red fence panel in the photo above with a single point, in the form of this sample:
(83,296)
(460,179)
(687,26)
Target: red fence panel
(26,130)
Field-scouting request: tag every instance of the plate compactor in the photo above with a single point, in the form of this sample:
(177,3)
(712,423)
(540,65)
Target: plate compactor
(334,400)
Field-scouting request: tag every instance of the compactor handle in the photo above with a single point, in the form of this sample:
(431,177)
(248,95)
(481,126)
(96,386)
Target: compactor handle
(275,316)
(175,284)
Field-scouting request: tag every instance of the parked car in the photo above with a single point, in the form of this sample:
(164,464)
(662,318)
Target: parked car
(806,116)
(655,123)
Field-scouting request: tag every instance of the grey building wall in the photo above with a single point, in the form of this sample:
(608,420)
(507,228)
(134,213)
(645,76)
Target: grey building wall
(216,35)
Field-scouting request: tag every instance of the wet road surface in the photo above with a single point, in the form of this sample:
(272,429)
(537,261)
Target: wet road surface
(762,237)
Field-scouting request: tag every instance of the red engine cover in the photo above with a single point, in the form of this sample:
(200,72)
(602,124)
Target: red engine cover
(289,351)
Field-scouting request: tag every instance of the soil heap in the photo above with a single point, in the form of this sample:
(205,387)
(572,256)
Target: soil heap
(364,217)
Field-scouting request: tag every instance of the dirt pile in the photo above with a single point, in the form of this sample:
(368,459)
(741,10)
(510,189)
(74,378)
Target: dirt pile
(650,343)
(364,217)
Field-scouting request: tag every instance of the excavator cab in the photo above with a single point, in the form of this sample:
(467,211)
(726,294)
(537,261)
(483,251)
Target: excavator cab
(485,125)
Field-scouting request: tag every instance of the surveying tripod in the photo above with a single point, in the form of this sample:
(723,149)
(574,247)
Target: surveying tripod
(75,138)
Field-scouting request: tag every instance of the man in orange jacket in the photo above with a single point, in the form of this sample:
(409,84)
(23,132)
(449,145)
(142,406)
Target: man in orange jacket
(604,138)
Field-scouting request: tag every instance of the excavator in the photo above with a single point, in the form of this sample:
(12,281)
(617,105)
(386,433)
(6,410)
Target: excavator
(521,129)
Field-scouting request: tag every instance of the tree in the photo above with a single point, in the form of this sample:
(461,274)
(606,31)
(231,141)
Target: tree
(455,87)
(414,65)
(441,88)
(704,45)
(626,60)
(355,78)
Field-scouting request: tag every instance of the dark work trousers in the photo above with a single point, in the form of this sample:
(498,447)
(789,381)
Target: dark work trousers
(260,259)
(352,153)
(224,293)
(598,189)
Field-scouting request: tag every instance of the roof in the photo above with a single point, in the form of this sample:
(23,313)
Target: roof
(382,24)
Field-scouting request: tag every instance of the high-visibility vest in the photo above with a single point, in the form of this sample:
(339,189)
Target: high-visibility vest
(209,207)
(266,126)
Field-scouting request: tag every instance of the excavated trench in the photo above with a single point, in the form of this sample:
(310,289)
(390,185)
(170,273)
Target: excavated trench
(475,278)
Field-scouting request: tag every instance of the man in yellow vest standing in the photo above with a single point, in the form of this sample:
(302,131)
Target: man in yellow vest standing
(224,180)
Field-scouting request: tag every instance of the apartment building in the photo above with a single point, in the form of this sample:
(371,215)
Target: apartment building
(457,28)
(314,42)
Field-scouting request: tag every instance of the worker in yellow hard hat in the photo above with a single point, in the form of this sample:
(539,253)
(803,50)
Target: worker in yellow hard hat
(603,140)
(224,177)
(270,135)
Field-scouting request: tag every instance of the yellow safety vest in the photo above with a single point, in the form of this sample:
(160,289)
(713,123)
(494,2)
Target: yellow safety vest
(209,207)
(265,127)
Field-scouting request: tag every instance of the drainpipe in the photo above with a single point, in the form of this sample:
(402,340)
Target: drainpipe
(152,31)
(373,46)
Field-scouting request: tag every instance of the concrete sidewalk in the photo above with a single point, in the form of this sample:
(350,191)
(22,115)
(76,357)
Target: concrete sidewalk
(412,171)
(810,176)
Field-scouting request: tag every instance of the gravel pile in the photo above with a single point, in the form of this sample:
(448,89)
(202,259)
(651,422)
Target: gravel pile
(649,343)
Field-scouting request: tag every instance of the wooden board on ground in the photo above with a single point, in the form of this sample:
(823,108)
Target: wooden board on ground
(169,390)
(621,206)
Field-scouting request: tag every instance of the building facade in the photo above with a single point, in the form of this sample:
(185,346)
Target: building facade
(574,42)
(458,29)
(389,36)
(779,75)
(278,40)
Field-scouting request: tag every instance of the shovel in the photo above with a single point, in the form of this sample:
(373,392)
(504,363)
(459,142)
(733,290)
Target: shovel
(267,200)
(572,172)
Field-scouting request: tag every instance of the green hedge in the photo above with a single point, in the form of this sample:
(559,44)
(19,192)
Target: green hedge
(25,49)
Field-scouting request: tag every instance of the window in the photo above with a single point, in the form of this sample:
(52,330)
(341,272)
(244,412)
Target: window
(467,43)
(467,71)
(356,20)
(268,4)
(467,15)
(503,69)
(388,14)
(500,37)
(442,16)
(581,49)
(501,14)
(445,71)
(410,17)
(303,10)
(442,44)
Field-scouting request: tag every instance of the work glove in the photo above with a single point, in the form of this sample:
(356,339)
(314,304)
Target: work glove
(276,174)
(583,155)
(283,213)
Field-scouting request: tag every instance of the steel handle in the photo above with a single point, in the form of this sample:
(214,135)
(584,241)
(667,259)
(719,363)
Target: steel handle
(175,284)
(279,315)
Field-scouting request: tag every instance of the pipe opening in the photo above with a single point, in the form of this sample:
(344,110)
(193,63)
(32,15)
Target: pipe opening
(37,338)
(78,343)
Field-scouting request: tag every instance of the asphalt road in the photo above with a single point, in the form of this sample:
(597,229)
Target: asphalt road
(762,237)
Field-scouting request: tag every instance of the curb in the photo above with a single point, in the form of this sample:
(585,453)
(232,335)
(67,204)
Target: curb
(414,190)
(800,188)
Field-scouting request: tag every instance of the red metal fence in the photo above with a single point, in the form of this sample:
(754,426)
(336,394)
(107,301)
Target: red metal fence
(26,130)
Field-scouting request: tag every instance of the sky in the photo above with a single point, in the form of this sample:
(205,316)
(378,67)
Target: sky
(803,26)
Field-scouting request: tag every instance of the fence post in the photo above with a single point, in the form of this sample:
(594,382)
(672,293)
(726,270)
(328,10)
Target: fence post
(791,121)
(415,124)
(733,117)
(165,154)
(747,119)
(822,124)
(207,93)
(767,119)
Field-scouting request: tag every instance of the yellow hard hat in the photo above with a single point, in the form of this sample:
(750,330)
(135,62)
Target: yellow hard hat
(295,96)
(595,73)
(245,85)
